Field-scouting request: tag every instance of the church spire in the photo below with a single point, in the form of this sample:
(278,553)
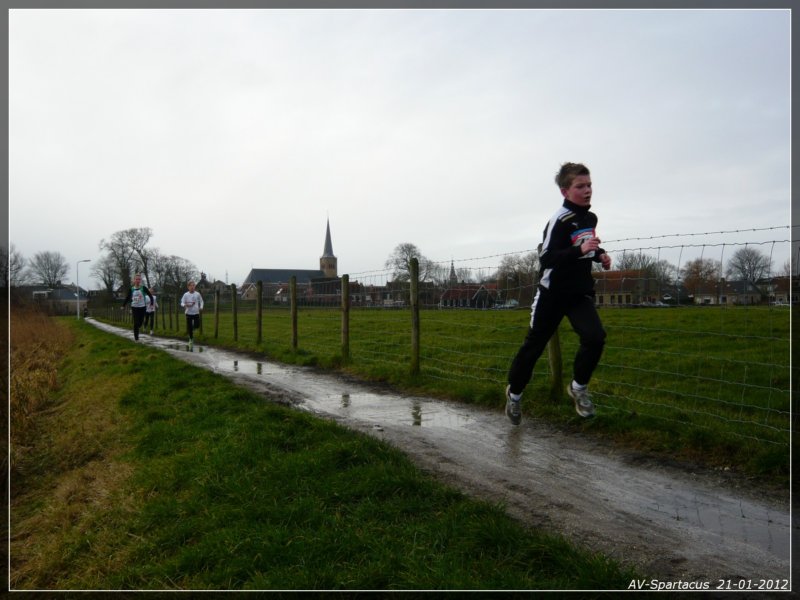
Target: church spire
(327,262)
(328,251)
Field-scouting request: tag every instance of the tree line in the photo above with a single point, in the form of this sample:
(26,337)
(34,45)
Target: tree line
(124,253)
(127,252)
(522,270)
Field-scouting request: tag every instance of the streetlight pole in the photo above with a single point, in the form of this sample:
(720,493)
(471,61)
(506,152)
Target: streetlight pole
(78,288)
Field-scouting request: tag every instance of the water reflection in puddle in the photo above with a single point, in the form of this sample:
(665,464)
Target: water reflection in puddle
(250,367)
(329,396)
(415,412)
(182,347)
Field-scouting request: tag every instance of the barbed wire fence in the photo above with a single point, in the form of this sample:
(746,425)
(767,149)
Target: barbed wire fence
(717,353)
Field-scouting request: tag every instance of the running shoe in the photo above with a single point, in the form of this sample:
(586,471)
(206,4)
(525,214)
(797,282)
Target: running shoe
(513,410)
(583,401)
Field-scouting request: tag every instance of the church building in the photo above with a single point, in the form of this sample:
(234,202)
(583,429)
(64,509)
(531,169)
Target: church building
(322,282)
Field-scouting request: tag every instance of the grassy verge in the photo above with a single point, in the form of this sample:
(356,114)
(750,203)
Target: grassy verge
(708,385)
(144,473)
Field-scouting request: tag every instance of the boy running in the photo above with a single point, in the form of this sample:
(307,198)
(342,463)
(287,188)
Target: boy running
(566,288)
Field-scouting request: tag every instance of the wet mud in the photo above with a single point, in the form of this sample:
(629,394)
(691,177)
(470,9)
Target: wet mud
(671,524)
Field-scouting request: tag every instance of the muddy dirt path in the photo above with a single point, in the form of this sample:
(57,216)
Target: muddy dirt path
(674,525)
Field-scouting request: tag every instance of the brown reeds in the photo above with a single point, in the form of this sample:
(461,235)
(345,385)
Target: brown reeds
(37,344)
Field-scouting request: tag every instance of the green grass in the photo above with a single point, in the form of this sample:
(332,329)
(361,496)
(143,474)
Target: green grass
(707,384)
(151,474)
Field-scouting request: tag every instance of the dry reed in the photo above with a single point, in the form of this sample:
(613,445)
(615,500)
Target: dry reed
(38,343)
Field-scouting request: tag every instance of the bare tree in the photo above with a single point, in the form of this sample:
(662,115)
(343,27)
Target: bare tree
(661,272)
(399,262)
(700,273)
(4,261)
(159,265)
(522,268)
(176,272)
(138,238)
(17,275)
(122,253)
(748,264)
(518,275)
(635,261)
(48,268)
(106,271)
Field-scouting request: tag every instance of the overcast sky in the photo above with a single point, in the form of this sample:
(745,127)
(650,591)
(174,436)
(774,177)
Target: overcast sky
(235,134)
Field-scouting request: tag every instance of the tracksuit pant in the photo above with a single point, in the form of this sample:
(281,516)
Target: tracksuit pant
(138,317)
(546,314)
(192,321)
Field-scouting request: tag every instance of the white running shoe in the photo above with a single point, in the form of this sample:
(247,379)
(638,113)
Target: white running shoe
(583,401)
(513,410)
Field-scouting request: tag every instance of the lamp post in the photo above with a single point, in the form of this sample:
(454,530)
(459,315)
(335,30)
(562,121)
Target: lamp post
(78,288)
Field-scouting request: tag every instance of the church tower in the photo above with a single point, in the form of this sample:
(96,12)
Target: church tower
(327,262)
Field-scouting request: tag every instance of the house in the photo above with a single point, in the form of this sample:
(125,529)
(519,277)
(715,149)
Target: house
(208,288)
(468,295)
(779,290)
(626,288)
(58,300)
(726,292)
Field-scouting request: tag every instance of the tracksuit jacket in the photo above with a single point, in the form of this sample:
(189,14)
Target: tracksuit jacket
(564,270)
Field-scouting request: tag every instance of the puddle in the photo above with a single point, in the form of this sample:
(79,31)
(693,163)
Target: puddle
(540,474)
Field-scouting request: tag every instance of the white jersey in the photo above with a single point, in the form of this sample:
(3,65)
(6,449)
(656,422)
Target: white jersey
(192,302)
(138,298)
(152,306)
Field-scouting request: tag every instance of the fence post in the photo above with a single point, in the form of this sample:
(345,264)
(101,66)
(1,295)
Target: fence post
(414,264)
(216,313)
(235,313)
(259,306)
(345,318)
(293,308)
(556,375)
(177,313)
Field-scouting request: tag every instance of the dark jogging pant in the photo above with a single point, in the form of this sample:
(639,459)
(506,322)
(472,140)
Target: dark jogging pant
(192,321)
(138,317)
(546,314)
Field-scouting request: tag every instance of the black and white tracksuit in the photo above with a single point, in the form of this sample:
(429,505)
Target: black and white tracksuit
(566,289)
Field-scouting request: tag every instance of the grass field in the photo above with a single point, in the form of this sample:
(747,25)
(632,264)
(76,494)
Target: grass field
(707,384)
(143,473)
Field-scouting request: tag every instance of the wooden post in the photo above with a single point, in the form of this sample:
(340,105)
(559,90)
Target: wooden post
(414,264)
(345,318)
(216,313)
(293,305)
(259,306)
(556,371)
(235,313)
